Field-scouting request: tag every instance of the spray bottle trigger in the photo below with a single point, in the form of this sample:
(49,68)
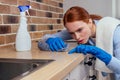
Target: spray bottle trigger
(27,12)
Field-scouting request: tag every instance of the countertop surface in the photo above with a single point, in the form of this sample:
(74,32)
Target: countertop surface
(55,70)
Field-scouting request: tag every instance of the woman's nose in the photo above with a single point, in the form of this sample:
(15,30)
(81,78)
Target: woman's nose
(77,36)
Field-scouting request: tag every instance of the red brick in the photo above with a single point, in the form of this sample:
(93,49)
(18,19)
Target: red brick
(2,39)
(37,35)
(35,5)
(32,12)
(0,19)
(14,28)
(5,29)
(11,2)
(14,10)
(40,14)
(23,2)
(4,9)
(10,38)
(42,27)
(7,19)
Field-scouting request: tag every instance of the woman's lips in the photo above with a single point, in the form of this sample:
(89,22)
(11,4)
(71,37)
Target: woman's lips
(80,41)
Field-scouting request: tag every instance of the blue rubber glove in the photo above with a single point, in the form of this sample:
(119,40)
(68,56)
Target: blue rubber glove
(56,44)
(99,53)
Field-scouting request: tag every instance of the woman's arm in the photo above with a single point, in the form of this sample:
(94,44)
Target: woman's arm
(114,64)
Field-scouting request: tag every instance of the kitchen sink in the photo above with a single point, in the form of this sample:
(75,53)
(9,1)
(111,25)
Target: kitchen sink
(15,69)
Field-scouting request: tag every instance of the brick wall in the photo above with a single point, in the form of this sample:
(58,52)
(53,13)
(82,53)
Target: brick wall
(45,17)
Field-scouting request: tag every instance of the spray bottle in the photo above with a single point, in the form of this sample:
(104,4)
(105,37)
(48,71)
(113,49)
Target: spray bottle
(23,39)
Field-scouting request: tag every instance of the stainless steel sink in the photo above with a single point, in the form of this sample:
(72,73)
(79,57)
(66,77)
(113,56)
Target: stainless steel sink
(15,69)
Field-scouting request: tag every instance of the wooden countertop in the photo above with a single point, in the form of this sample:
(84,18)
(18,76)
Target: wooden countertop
(55,70)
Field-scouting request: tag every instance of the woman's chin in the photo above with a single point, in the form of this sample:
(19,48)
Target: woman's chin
(82,42)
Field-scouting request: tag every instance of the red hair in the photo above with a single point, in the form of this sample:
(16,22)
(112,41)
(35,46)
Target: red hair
(78,13)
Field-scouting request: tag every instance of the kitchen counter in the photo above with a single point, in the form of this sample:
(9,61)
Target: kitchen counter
(56,70)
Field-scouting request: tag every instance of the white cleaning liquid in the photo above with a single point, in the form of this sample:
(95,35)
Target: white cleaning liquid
(23,39)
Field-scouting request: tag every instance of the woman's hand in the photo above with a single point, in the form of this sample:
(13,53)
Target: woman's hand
(88,49)
(56,44)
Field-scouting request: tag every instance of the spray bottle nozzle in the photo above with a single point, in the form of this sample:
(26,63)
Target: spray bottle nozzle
(24,8)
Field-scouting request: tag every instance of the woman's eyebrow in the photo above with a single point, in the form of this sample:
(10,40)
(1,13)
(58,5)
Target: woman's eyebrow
(76,30)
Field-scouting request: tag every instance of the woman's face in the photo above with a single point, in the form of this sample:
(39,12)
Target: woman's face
(79,30)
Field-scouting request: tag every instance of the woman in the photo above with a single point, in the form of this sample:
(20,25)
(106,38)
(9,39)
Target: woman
(83,28)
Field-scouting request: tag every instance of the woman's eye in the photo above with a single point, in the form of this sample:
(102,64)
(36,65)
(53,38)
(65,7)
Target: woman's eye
(79,30)
(71,33)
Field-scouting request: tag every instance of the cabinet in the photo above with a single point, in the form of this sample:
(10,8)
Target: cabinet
(67,77)
(84,70)
(80,72)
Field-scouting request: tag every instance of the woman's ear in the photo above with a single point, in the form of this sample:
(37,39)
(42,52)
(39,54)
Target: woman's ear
(90,21)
